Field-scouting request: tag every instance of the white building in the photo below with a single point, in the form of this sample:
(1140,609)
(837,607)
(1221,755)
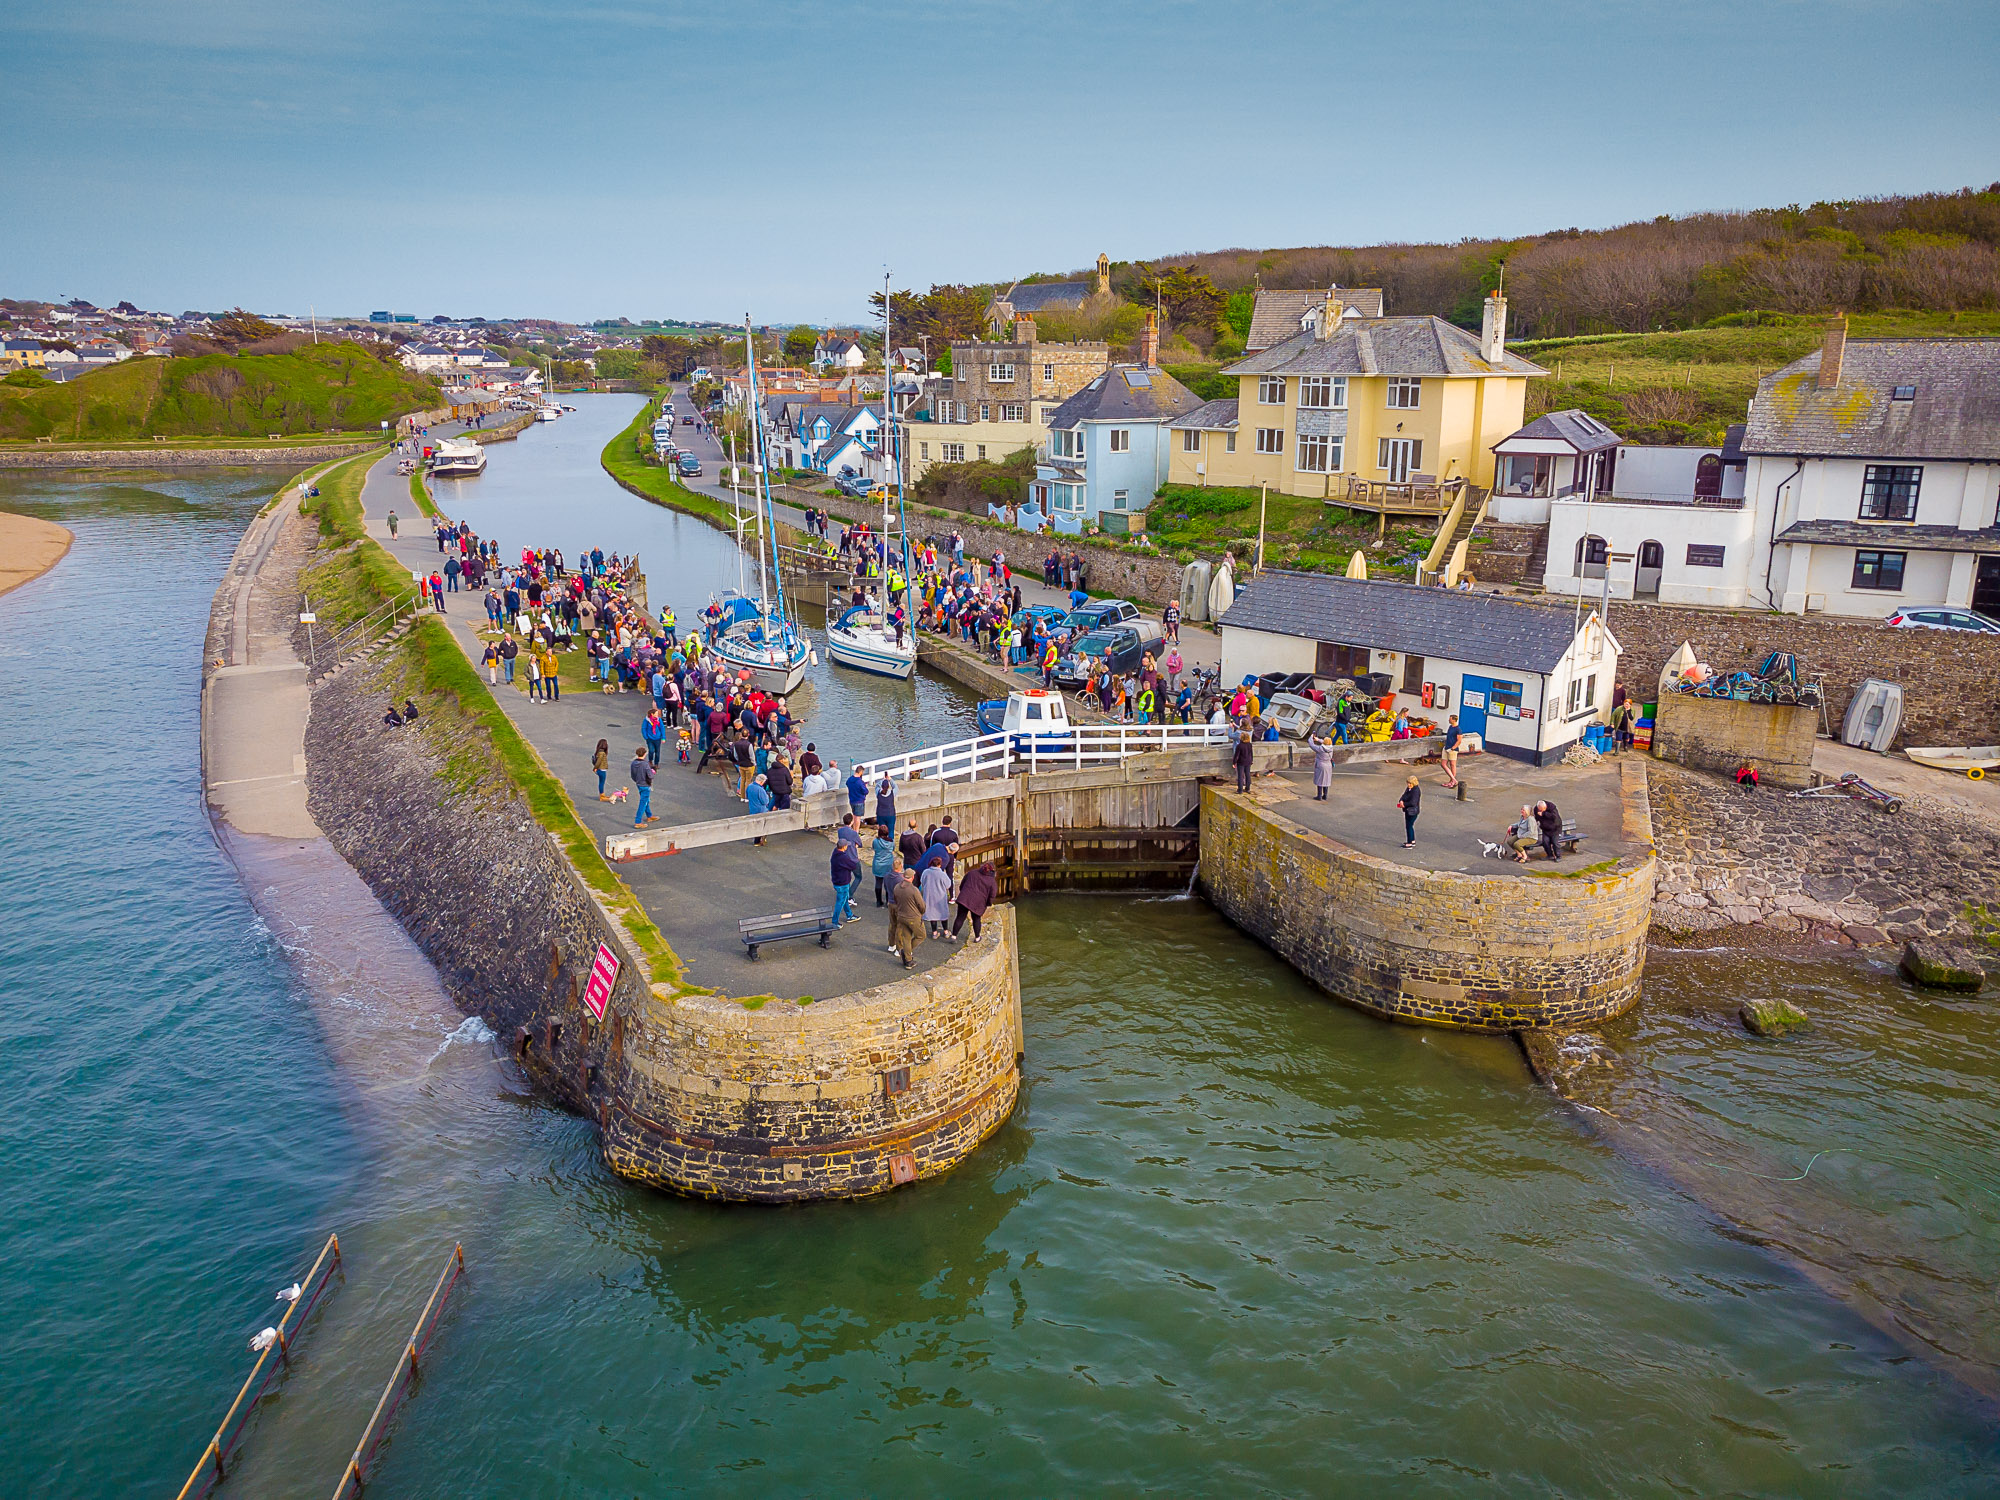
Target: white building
(1866,479)
(1527,678)
(427,358)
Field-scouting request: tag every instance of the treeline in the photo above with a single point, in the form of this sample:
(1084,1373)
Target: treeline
(1937,252)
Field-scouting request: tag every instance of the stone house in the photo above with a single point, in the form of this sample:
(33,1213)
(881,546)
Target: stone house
(1032,297)
(999,397)
(1526,678)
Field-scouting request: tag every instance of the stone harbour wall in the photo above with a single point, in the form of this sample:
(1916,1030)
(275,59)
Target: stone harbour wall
(1476,952)
(165,456)
(1759,864)
(841,1098)
(1947,676)
(1719,734)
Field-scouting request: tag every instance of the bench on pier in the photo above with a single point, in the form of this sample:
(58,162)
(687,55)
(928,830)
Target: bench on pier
(757,931)
(1569,838)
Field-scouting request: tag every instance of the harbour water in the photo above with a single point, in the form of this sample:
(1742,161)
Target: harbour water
(1236,1239)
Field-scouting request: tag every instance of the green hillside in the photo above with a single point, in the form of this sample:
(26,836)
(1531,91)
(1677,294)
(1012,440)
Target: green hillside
(338,386)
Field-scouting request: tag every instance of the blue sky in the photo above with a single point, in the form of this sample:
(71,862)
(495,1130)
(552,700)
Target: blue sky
(624,157)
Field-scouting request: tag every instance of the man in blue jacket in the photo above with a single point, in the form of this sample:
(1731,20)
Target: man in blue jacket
(846,872)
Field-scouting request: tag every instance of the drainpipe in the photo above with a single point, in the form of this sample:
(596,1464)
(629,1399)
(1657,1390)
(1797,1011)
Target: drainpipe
(1771,547)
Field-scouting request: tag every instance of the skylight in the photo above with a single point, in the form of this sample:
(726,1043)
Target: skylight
(1903,393)
(1138,378)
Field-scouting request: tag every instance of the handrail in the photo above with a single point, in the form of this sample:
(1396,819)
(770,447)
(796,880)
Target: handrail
(405,1372)
(348,634)
(1002,754)
(204,1478)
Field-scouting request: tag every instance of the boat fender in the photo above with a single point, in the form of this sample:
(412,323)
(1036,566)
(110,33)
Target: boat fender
(1975,773)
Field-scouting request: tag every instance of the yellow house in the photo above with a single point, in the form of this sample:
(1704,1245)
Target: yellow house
(1392,400)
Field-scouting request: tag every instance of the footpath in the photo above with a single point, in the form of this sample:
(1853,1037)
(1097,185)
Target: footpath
(695,897)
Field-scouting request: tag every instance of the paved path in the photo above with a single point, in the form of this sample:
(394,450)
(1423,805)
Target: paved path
(695,897)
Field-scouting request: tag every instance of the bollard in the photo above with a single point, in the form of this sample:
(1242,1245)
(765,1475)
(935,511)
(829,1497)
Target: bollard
(1461,790)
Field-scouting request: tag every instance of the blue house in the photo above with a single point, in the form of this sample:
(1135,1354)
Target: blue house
(1108,446)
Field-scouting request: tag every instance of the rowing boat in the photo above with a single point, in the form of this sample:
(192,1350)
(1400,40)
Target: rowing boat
(1974,760)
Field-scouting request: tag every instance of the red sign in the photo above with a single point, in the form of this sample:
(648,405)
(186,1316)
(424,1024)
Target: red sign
(603,974)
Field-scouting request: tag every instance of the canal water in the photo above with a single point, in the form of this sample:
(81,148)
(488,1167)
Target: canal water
(1236,1238)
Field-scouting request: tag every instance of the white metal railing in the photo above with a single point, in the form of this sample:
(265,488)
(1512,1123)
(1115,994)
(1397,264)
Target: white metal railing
(1003,755)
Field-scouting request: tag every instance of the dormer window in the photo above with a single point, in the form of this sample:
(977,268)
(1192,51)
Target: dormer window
(1903,393)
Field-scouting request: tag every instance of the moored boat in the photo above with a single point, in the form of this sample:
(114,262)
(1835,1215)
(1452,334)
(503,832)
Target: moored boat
(859,639)
(1971,760)
(457,458)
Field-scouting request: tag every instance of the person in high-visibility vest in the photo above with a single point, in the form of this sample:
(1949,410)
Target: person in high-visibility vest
(1145,705)
(896,585)
(1049,665)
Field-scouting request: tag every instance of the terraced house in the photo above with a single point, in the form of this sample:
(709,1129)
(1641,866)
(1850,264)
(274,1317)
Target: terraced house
(1000,397)
(1376,400)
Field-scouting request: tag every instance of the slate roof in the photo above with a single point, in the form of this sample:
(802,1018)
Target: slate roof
(1956,413)
(1580,430)
(1893,537)
(1421,345)
(1040,296)
(1210,416)
(1482,629)
(1276,315)
(1113,396)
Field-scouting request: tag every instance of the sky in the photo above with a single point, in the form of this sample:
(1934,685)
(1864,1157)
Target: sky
(637,158)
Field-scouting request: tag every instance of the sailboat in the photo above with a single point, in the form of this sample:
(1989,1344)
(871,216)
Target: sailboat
(753,638)
(863,638)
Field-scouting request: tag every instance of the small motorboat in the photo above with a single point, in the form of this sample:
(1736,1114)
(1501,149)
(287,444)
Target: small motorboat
(1029,714)
(1293,714)
(1973,760)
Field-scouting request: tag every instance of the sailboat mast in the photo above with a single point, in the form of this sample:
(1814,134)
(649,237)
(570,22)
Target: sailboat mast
(756,455)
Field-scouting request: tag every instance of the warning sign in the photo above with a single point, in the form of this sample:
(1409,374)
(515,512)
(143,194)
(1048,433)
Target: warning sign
(603,974)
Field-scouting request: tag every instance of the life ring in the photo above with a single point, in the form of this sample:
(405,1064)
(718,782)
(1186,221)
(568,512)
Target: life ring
(1975,773)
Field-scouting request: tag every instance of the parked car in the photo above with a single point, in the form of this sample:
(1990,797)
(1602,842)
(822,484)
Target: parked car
(1099,613)
(857,486)
(690,466)
(1938,617)
(1050,616)
(1122,645)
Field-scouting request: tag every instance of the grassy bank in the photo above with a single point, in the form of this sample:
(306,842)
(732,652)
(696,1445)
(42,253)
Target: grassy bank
(623,461)
(465,726)
(337,387)
(1299,531)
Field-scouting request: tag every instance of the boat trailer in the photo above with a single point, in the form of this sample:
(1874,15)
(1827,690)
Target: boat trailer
(1851,785)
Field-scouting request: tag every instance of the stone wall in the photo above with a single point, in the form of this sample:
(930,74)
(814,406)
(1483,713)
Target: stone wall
(166,456)
(1719,734)
(837,1099)
(1948,677)
(1499,551)
(1761,863)
(1478,952)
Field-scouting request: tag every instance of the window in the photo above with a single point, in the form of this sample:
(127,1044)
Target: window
(1318,455)
(1878,570)
(1048,374)
(982,453)
(1323,391)
(1413,673)
(1270,440)
(1119,497)
(1001,374)
(1889,492)
(924,452)
(1405,392)
(1066,496)
(985,412)
(1332,659)
(1121,440)
(1191,440)
(1400,456)
(1504,702)
(1014,412)
(1592,554)
(1270,390)
(1704,557)
(954,453)
(1068,442)
(1048,414)
(1583,695)
(1229,442)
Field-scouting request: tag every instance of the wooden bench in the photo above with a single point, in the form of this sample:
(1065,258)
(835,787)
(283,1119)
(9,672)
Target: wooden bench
(757,931)
(1569,838)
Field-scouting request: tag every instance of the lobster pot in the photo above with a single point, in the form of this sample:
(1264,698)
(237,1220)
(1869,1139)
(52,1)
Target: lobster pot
(1874,715)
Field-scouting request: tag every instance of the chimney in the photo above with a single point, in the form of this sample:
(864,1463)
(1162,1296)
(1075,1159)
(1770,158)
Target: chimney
(1024,328)
(1149,343)
(1493,329)
(1831,351)
(1103,274)
(1329,316)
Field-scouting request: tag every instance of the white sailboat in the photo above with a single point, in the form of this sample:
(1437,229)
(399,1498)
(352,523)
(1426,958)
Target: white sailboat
(760,642)
(864,637)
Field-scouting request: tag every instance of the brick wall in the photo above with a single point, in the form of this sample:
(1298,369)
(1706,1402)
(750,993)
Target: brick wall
(1481,953)
(824,1100)
(1950,679)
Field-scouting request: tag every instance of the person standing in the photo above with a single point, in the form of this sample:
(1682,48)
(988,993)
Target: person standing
(885,802)
(906,918)
(490,659)
(451,574)
(437,591)
(551,675)
(857,793)
(1322,749)
(936,886)
(392,526)
(975,894)
(882,859)
(653,730)
(600,762)
(509,650)
(741,760)
(846,873)
(758,795)
(1170,622)
(780,777)
(642,778)
(1411,802)
(1241,758)
(1452,734)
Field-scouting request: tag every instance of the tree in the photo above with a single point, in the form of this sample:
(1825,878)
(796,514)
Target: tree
(1190,298)
(948,314)
(800,343)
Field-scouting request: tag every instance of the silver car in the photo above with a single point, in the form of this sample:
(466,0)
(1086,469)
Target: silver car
(1939,617)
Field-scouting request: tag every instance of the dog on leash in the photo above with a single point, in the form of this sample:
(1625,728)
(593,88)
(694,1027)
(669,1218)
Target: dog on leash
(1491,851)
(620,794)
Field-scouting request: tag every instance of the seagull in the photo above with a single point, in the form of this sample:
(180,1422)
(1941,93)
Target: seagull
(264,1340)
(290,1293)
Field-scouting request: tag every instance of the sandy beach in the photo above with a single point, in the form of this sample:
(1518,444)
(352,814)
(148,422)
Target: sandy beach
(29,547)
